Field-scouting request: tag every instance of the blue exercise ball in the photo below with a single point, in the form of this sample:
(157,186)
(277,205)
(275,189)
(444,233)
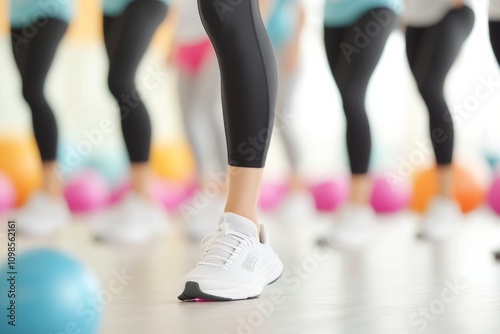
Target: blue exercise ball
(50,293)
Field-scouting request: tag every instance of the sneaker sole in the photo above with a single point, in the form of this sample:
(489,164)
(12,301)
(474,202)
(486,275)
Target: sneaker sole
(192,290)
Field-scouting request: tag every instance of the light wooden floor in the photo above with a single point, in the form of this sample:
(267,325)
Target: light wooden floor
(395,285)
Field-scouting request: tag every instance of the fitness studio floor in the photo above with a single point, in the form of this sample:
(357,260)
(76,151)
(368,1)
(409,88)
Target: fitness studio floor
(395,285)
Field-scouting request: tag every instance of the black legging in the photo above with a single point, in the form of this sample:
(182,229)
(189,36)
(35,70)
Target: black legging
(353,59)
(249,77)
(495,38)
(34,55)
(127,38)
(431,53)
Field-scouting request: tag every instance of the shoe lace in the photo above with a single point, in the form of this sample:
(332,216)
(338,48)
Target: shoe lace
(221,240)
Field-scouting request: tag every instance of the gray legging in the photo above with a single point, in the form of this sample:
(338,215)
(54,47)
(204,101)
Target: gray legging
(199,97)
(199,94)
(284,117)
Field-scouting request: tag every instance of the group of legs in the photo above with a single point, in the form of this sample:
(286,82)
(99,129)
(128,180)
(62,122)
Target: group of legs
(239,261)
(286,41)
(249,86)
(431,52)
(198,87)
(127,36)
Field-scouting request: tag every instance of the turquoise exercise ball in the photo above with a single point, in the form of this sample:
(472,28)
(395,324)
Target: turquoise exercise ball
(45,291)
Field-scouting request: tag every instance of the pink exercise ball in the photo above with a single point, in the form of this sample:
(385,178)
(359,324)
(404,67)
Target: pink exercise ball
(87,192)
(170,195)
(8,194)
(272,195)
(494,195)
(390,197)
(329,195)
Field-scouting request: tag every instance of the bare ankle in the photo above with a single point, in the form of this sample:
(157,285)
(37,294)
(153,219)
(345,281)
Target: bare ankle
(52,183)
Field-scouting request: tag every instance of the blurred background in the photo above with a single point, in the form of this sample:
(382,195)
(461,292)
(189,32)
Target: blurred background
(77,90)
(401,280)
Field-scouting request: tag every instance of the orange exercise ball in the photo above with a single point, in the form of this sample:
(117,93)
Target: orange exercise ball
(173,161)
(467,189)
(20,160)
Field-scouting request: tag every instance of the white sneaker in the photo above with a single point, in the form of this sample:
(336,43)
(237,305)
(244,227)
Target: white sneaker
(298,207)
(134,220)
(42,215)
(441,220)
(204,220)
(353,228)
(236,265)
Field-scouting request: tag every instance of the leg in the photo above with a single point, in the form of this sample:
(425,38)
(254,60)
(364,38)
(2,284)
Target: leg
(239,260)
(414,42)
(111,27)
(34,57)
(284,118)
(298,204)
(360,183)
(199,94)
(127,39)
(352,65)
(352,72)
(495,38)
(249,84)
(210,94)
(414,37)
(20,50)
(431,58)
(203,123)
(193,117)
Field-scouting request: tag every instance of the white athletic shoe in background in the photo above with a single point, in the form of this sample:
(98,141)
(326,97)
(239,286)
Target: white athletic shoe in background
(297,208)
(442,218)
(204,220)
(353,227)
(135,220)
(42,215)
(236,264)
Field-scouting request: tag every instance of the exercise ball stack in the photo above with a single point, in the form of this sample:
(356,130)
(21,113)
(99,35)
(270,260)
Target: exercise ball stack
(51,293)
